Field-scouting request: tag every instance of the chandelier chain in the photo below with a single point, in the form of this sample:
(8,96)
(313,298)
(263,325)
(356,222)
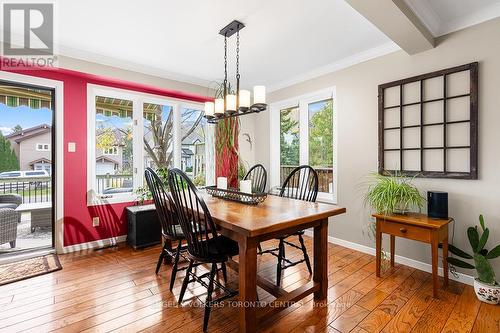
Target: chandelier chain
(225,61)
(238,54)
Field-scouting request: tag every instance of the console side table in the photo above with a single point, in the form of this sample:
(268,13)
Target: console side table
(417,227)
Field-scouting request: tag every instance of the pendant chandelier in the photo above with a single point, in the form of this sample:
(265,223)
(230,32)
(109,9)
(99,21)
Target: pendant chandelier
(234,105)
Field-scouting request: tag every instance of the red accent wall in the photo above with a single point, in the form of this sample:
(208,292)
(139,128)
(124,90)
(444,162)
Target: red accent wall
(77,216)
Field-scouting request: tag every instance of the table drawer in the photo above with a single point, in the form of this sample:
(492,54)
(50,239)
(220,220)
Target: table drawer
(405,231)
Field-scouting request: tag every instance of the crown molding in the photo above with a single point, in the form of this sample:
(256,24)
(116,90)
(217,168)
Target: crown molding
(438,27)
(346,62)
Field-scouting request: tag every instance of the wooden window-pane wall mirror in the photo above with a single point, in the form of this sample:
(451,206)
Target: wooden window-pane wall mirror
(427,124)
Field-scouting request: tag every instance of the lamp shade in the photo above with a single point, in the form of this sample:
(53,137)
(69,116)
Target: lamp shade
(231,103)
(244,99)
(259,95)
(209,109)
(219,106)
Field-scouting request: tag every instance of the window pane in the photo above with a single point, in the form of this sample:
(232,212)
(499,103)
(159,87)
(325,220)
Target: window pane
(193,135)
(289,141)
(114,124)
(321,142)
(158,136)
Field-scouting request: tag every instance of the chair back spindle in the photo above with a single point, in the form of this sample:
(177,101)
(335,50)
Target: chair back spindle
(163,203)
(258,175)
(301,184)
(194,216)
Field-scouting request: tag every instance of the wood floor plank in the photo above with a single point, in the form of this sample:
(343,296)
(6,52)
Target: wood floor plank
(464,313)
(488,319)
(116,290)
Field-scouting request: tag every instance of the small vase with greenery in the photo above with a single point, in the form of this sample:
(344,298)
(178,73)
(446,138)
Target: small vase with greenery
(389,194)
(486,287)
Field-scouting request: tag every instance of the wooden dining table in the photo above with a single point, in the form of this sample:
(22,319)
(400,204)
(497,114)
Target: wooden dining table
(251,224)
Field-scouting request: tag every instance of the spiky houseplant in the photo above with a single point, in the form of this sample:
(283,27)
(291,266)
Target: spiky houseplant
(388,194)
(481,255)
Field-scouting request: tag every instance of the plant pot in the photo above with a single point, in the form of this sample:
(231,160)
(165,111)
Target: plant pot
(400,209)
(486,292)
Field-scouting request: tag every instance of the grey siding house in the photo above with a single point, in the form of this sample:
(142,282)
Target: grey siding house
(32,147)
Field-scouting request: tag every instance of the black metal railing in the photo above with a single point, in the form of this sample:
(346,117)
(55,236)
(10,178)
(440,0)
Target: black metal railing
(32,190)
(325,176)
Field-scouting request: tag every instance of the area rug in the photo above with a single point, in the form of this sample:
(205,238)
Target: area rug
(28,268)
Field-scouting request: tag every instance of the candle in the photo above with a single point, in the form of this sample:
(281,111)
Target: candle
(222,183)
(209,109)
(259,95)
(219,106)
(231,103)
(244,99)
(246,186)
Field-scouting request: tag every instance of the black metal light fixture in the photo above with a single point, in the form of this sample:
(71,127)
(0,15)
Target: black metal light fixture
(239,104)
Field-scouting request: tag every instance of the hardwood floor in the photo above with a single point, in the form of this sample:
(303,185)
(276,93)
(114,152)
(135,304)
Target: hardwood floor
(116,289)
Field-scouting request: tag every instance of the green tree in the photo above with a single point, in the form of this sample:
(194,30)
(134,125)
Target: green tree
(321,137)
(17,128)
(289,137)
(8,159)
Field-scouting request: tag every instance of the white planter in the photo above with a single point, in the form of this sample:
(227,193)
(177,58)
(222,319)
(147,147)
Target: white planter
(486,292)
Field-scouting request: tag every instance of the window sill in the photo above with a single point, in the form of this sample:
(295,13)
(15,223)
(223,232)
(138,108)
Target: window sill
(101,200)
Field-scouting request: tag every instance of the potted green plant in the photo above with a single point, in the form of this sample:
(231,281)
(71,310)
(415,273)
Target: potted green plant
(389,194)
(485,285)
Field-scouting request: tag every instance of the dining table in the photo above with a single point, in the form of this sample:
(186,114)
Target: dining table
(251,224)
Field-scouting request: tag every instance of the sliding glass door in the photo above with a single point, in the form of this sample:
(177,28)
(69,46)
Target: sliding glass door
(27,160)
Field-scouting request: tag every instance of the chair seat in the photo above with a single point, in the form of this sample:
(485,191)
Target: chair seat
(222,247)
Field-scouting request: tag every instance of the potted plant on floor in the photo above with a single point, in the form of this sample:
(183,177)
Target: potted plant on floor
(485,285)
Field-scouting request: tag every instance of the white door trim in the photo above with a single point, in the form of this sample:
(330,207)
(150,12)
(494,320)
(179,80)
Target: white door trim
(59,137)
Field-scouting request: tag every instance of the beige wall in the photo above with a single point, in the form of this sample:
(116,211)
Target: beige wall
(356,89)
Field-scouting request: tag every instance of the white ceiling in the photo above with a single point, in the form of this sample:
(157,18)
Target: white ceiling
(283,40)
(444,16)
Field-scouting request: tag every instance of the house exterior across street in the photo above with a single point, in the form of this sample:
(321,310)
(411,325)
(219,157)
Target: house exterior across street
(32,147)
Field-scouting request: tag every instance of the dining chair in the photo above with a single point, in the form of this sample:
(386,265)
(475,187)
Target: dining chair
(300,184)
(204,245)
(258,175)
(171,230)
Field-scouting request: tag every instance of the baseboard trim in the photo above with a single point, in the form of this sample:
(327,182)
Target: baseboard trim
(95,244)
(463,278)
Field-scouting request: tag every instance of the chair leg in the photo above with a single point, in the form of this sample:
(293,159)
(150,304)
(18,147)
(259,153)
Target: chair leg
(208,302)
(12,244)
(174,267)
(306,256)
(160,260)
(259,247)
(281,255)
(224,272)
(186,281)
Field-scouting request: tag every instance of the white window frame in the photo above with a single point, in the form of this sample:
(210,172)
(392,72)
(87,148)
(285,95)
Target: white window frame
(302,102)
(138,99)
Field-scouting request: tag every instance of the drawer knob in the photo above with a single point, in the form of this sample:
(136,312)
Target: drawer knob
(403,230)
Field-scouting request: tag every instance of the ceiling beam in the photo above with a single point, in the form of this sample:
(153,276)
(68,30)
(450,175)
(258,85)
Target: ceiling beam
(398,22)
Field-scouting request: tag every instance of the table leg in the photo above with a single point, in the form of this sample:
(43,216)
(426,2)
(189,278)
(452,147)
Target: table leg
(378,245)
(434,248)
(393,245)
(445,262)
(321,259)
(248,285)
